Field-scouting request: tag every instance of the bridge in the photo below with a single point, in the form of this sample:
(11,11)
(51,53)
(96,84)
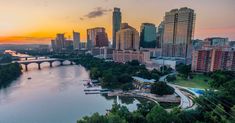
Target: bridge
(40,61)
(30,57)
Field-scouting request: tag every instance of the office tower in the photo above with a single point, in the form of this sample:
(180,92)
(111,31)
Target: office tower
(117,20)
(91,36)
(102,39)
(60,42)
(148,35)
(68,45)
(178,33)
(76,40)
(127,38)
(160,33)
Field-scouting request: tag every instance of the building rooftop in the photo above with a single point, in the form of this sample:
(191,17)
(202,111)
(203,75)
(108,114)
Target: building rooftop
(142,80)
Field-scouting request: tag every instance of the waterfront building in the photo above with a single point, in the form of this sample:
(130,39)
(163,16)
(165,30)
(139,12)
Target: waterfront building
(212,59)
(127,38)
(91,36)
(117,20)
(148,35)
(124,56)
(102,40)
(178,33)
(76,40)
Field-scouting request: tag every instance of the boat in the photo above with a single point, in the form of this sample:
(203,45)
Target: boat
(29,78)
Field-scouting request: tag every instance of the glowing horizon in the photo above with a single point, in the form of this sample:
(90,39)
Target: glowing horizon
(38,21)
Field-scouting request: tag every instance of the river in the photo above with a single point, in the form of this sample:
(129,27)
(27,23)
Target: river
(53,95)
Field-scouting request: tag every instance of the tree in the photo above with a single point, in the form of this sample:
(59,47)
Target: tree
(95,118)
(134,63)
(125,78)
(157,115)
(184,70)
(220,78)
(161,88)
(136,117)
(165,70)
(171,78)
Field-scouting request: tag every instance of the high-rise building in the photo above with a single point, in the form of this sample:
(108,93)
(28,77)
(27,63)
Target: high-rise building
(68,45)
(127,38)
(160,33)
(178,33)
(212,59)
(91,36)
(117,20)
(76,40)
(60,42)
(148,35)
(102,39)
(53,45)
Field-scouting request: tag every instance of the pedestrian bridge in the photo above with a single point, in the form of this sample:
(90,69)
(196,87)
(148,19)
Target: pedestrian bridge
(40,61)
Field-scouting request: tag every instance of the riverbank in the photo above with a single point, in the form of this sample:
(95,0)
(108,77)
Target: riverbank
(9,72)
(157,99)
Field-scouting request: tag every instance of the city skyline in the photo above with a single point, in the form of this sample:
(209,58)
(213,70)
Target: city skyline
(47,18)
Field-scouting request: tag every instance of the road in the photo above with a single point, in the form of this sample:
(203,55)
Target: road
(185,101)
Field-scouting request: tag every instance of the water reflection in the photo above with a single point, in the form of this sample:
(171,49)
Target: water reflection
(53,95)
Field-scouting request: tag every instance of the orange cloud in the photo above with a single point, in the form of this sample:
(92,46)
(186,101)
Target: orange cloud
(24,40)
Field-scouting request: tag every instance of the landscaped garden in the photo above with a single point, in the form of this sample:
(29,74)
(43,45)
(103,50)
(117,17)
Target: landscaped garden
(198,81)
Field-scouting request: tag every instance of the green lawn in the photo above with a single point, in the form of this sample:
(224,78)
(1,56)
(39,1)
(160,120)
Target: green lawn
(198,81)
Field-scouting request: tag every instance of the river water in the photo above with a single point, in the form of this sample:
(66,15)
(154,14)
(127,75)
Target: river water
(53,95)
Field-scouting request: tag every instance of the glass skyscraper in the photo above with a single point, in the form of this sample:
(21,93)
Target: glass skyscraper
(148,35)
(117,20)
(178,33)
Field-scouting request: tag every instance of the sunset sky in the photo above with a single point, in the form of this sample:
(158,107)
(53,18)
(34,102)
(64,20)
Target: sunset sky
(38,21)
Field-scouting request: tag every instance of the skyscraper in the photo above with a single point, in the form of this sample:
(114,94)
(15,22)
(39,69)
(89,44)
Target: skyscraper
(148,35)
(102,39)
(76,40)
(160,33)
(91,36)
(60,42)
(117,19)
(127,38)
(178,33)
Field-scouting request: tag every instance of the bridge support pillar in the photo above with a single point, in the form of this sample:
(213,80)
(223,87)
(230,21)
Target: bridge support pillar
(26,67)
(51,64)
(36,58)
(71,62)
(61,63)
(39,66)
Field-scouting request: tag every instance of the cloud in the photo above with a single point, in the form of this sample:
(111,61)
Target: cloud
(97,12)
(24,40)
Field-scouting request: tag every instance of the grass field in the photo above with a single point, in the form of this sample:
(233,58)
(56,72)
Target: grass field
(198,81)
